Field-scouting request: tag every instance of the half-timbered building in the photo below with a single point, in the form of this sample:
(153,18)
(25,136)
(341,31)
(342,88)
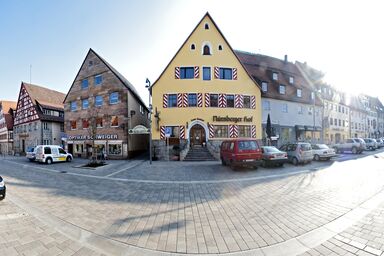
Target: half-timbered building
(39,118)
(7,109)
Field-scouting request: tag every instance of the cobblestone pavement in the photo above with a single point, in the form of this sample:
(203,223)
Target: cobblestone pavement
(224,213)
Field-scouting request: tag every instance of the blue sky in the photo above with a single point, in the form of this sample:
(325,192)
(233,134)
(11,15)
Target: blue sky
(341,38)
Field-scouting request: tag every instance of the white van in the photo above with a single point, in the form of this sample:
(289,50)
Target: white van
(52,153)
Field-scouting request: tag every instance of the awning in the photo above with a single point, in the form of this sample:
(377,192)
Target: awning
(308,128)
(300,127)
(318,128)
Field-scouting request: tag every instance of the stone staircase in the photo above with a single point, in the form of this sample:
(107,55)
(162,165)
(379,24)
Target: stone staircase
(199,153)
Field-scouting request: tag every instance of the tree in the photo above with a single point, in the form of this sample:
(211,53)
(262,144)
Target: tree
(269,129)
(93,122)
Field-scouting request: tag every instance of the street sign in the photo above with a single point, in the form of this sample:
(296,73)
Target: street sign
(168,131)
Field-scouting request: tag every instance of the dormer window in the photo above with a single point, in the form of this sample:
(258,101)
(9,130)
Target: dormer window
(264,86)
(298,93)
(193,47)
(275,76)
(291,79)
(206,50)
(220,47)
(206,26)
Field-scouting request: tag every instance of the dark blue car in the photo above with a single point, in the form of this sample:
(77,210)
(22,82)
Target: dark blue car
(2,188)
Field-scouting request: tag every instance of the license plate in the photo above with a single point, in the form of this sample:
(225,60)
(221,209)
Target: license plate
(249,160)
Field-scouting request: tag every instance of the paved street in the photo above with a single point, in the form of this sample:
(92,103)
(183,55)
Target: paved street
(325,208)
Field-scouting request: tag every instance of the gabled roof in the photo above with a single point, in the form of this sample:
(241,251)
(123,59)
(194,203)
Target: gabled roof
(44,96)
(186,40)
(7,105)
(122,79)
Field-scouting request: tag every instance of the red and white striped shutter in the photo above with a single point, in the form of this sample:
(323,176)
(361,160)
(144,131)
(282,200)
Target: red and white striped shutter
(211,131)
(200,100)
(179,100)
(162,132)
(196,73)
(234,74)
(182,132)
(253,102)
(185,100)
(222,100)
(238,101)
(165,100)
(177,72)
(207,100)
(253,131)
(217,72)
(233,131)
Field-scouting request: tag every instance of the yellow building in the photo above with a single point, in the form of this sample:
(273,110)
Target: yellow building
(204,96)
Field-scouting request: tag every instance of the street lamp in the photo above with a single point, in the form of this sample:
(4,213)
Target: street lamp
(314,113)
(148,86)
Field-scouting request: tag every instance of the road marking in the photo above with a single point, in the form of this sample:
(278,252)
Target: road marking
(125,169)
(11,216)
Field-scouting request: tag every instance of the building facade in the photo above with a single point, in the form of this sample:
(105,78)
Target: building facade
(294,107)
(7,109)
(39,118)
(100,108)
(204,95)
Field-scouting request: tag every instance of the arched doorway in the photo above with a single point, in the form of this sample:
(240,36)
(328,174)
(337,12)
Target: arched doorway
(197,135)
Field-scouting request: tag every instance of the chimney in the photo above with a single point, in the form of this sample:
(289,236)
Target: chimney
(285,58)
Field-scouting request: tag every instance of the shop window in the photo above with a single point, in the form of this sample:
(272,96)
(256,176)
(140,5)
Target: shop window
(73,125)
(98,101)
(84,84)
(213,99)
(99,122)
(79,148)
(172,100)
(98,79)
(114,149)
(73,106)
(206,73)
(226,73)
(246,101)
(85,123)
(114,121)
(85,104)
(221,131)
(114,98)
(206,50)
(245,131)
(187,73)
(192,100)
(230,101)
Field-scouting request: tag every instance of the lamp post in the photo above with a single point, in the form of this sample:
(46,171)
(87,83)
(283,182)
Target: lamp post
(148,86)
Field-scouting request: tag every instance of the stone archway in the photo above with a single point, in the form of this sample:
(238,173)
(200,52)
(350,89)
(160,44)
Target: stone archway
(197,133)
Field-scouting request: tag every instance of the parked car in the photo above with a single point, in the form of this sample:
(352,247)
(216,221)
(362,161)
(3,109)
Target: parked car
(380,143)
(31,154)
(2,188)
(322,152)
(300,152)
(240,152)
(52,153)
(271,156)
(354,145)
(371,144)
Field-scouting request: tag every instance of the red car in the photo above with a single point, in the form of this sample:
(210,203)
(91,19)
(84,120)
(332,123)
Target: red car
(241,152)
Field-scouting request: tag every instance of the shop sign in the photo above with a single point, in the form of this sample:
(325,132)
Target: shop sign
(90,137)
(232,119)
(139,129)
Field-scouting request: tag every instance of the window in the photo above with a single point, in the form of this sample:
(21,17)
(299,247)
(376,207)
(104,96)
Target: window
(47,150)
(62,151)
(84,104)
(142,110)
(335,121)
(282,89)
(339,109)
(62,127)
(99,122)
(230,101)
(213,98)
(206,26)
(193,47)
(291,79)
(244,131)
(36,126)
(84,84)
(220,47)
(30,127)
(73,106)
(343,123)
(187,73)
(312,95)
(172,100)
(331,121)
(300,110)
(206,50)
(221,131)
(264,86)
(206,73)
(339,122)
(114,149)
(298,93)
(114,121)
(266,105)
(114,98)
(90,63)
(45,126)
(98,79)
(73,125)
(346,111)
(247,101)
(310,111)
(285,108)
(226,73)
(85,123)
(192,100)
(275,76)
(342,110)
(175,132)
(98,101)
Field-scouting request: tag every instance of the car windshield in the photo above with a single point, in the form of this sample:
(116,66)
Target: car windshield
(305,147)
(271,149)
(247,145)
(322,146)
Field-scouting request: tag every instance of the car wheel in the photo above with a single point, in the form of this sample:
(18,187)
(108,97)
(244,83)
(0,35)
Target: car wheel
(317,157)
(223,162)
(69,159)
(295,161)
(30,160)
(48,161)
(354,150)
(263,163)
(281,164)
(371,148)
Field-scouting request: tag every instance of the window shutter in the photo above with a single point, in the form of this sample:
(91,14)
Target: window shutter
(162,132)
(207,100)
(165,100)
(234,74)
(177,72)
(222,100)
(253,102)
(200,100)
(185,100)
(182,132)
(233,131)
(179,100)
(238,101)
(253,131)
(217,72)
(211,131)
(196,73)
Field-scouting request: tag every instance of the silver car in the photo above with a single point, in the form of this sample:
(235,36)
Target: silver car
(371,144)
(322,152)
(300,152)
(273,157)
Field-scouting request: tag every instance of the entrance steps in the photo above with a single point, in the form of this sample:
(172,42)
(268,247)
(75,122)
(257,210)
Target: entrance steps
(199,153)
